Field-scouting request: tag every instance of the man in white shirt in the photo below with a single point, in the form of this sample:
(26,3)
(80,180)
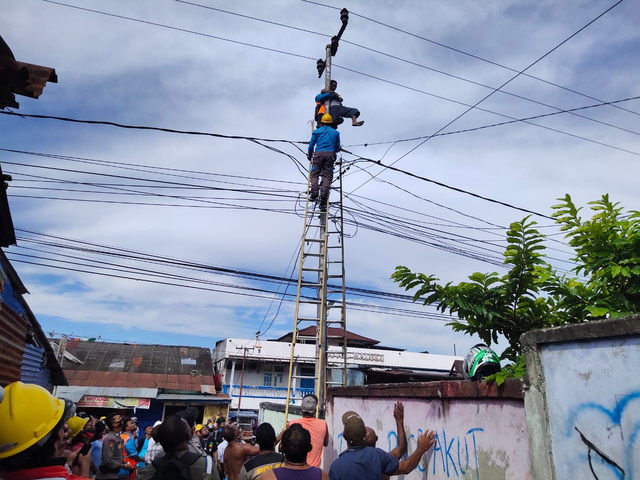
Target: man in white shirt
(220,464)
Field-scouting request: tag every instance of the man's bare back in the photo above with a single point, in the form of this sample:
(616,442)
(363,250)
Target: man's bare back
(235,455)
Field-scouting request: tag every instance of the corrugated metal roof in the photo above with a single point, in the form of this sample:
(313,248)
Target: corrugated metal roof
(186,383)
(33,368)
(120,392)
(38,78)
(151,359)
(13,334)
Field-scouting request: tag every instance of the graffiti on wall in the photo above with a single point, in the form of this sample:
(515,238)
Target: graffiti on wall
(609,452)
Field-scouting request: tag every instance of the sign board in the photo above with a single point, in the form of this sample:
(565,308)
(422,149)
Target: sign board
(113,402)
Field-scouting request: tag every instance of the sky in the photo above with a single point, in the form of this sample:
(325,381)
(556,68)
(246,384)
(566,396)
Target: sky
(165,212)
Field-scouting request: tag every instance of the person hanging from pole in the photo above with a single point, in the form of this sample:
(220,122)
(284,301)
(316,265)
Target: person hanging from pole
(336,110)
(326,141)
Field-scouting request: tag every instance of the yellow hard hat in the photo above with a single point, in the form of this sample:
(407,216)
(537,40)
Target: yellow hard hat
(28,414)
(326,118)
(198,427)
(76,424)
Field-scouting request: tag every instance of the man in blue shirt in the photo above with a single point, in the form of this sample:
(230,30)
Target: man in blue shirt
(360,461)
(326,141)
(336,110)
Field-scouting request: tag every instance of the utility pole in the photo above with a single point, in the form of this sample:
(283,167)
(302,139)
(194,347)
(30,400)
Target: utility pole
(244,358)
(321,329)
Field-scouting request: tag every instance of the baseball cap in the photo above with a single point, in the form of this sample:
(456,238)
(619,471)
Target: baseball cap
(354,428)
(309,404)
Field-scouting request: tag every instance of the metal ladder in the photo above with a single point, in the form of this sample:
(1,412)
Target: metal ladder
(321,284)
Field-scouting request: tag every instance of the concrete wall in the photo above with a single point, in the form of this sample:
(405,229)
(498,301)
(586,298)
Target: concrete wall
(583,400)
(481,431)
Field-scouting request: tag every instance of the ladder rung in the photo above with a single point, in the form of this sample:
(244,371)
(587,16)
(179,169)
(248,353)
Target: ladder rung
(305,269)
(313,254)
(301,377)
(315,302)
(333,276)
(307,319)
(335,261)
(334,246)
(316,240)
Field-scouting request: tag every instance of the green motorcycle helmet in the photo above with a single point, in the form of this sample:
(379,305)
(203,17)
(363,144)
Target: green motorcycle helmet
(480,362)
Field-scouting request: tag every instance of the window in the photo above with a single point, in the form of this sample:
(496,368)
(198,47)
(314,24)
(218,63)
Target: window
(268,378)
(307,372)
(278,368)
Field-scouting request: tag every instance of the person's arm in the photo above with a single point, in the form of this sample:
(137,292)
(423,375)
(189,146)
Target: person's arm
(324,96)
(325,475)
(248,449)
(337,147)
(326,435)
(312,144)
(425,442)
(398,414)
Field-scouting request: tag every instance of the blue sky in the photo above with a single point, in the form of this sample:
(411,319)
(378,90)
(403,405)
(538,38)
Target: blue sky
(124,71)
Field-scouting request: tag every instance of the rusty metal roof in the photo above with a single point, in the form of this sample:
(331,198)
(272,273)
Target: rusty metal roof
(21,78)
(167,367)
(186,383)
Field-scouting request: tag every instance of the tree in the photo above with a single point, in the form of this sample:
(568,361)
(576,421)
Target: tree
(532,295)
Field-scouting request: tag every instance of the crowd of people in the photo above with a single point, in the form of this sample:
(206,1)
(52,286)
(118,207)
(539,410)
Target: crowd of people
(42,437)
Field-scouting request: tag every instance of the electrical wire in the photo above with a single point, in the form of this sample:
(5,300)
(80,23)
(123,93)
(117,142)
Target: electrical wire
(499,88)
(462,52)
(395,57)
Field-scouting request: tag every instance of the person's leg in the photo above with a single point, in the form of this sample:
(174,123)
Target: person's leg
(316,168)
(327,177)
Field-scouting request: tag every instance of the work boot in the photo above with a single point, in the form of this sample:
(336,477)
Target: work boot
(355,123)
(323,204)
(313,196)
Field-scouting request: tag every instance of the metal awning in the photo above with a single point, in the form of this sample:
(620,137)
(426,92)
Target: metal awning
(193,398)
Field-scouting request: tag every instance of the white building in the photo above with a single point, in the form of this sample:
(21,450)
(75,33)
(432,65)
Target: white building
(266,366)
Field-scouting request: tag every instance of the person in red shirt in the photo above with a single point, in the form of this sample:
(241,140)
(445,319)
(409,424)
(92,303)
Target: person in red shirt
(32,437)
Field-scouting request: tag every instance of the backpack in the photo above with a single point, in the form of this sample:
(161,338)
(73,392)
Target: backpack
(170,467)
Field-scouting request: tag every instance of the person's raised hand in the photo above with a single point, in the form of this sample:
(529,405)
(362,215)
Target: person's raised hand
(426,440)
(398,412)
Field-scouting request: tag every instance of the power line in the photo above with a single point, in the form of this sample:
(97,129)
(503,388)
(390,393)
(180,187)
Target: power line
(509,122)
(301,56)
(469,55)
(495,90)
(275,50)
(395,57)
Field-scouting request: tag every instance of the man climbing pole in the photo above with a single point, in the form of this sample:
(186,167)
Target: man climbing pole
(326,141)
(336,110)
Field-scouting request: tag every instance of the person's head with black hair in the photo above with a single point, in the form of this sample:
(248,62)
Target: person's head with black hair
(114,422)
(229,433)
(296,444)
(100,427)
(154,433)
(266,437)
(188,416)
(174,434)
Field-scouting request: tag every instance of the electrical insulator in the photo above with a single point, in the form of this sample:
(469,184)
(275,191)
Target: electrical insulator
(344,16)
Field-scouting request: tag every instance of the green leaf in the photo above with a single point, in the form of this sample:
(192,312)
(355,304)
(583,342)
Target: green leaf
(615,270)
